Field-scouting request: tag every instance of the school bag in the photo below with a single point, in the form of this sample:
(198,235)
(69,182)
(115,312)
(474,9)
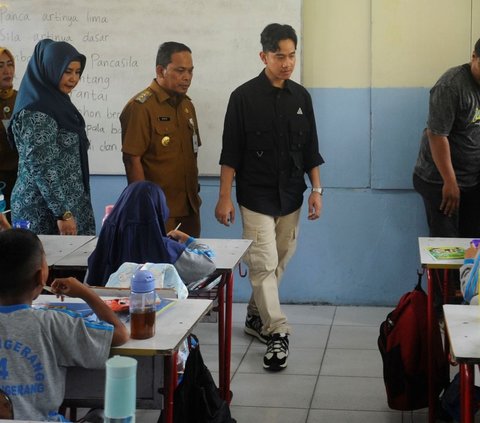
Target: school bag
(403,346)
(197,399)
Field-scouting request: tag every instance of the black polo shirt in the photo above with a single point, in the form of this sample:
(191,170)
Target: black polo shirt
(270,139)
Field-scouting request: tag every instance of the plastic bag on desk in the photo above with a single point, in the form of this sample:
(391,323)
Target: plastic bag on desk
(166,276)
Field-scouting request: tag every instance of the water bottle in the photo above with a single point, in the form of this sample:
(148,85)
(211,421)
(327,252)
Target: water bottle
(120,390)
(142,305)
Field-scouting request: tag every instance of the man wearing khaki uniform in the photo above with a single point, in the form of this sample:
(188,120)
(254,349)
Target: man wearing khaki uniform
(160,138)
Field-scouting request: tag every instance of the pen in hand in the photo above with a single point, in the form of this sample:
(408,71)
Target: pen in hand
(178,226)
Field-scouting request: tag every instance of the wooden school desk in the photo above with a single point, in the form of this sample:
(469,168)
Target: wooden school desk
(430,263)
(157,355)
(228,254)
(463,328)
(59,246)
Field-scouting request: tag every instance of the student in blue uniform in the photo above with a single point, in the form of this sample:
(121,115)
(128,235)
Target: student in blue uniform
(37,344)
(134,231)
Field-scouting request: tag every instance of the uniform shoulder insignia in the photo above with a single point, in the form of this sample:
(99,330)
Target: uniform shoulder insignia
(143,96)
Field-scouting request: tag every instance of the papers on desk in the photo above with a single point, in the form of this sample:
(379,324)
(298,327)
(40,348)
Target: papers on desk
(207,283)
(119,305)
(447,253)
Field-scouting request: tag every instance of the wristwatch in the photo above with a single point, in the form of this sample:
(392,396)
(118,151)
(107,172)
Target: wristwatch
(319,190)
(65,216)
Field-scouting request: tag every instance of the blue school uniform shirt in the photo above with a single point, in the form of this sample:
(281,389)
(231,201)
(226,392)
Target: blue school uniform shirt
(36,347)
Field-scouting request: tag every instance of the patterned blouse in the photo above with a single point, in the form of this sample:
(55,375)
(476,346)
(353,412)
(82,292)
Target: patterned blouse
(49,180)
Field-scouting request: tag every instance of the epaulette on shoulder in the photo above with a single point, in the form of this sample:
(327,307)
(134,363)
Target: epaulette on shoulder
(143,96)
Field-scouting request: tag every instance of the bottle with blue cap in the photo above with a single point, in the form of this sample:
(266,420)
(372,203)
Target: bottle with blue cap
(142,305)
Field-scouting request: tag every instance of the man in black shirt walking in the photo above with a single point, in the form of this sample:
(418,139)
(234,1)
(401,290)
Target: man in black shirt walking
(269,143)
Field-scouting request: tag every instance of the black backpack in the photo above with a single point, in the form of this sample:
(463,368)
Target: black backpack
(404,349)
(197,399)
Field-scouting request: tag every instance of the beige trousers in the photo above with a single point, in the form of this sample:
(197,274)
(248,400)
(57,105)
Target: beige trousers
(274,242)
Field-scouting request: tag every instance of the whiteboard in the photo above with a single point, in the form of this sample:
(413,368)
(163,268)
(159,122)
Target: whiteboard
(120,39)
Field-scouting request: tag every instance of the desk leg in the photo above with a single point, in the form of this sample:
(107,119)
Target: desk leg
(170,374)
(221,334)
(446,300)
(431,388)
(228,336)
(445,286)
(467,379)
(225,301)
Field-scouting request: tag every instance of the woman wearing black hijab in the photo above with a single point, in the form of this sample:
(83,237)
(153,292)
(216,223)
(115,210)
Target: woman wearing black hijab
(52,190)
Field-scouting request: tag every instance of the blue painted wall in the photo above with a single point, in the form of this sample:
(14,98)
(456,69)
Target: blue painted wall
(364,249)
(369,65)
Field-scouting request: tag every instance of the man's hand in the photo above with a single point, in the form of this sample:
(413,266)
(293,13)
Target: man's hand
(225,211)
(314,205)
(450,199)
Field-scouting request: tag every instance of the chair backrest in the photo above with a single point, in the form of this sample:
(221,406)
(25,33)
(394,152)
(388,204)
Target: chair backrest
(6,406)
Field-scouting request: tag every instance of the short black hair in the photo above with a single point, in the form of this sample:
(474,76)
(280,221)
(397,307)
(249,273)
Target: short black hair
(165,51)
(21,254)
(274,33)
(477,48)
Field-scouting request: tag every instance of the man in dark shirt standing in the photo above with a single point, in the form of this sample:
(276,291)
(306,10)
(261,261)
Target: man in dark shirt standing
(269,143)
(447,172)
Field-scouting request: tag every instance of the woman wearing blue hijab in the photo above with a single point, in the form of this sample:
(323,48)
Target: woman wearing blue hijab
(52,190)
(134,231)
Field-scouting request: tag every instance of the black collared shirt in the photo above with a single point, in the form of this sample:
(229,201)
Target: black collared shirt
(270,139)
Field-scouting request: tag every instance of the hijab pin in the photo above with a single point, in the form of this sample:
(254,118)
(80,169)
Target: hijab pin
(6,109)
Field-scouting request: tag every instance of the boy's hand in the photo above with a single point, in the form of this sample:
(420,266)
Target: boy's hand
(74,288)
(69,286)
(471,251)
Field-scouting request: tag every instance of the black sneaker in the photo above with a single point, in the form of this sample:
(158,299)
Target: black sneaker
(275,358)
(253,326)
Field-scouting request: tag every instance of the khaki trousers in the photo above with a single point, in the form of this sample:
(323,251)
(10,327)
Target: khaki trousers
(274,242)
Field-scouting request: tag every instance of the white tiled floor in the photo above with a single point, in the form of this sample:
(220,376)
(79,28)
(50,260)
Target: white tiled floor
(334,371)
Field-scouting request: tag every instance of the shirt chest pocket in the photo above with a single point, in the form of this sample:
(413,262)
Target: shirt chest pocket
(165,135)
(259,138)
(168,134)
(299,130)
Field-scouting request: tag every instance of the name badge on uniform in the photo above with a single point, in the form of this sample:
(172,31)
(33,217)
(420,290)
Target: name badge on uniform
(195,136)
(195,143)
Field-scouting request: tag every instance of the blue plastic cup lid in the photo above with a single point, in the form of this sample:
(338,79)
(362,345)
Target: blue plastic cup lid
(143,281)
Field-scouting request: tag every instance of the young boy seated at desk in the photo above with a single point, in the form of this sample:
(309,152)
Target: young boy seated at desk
(38,344)
(469,281)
